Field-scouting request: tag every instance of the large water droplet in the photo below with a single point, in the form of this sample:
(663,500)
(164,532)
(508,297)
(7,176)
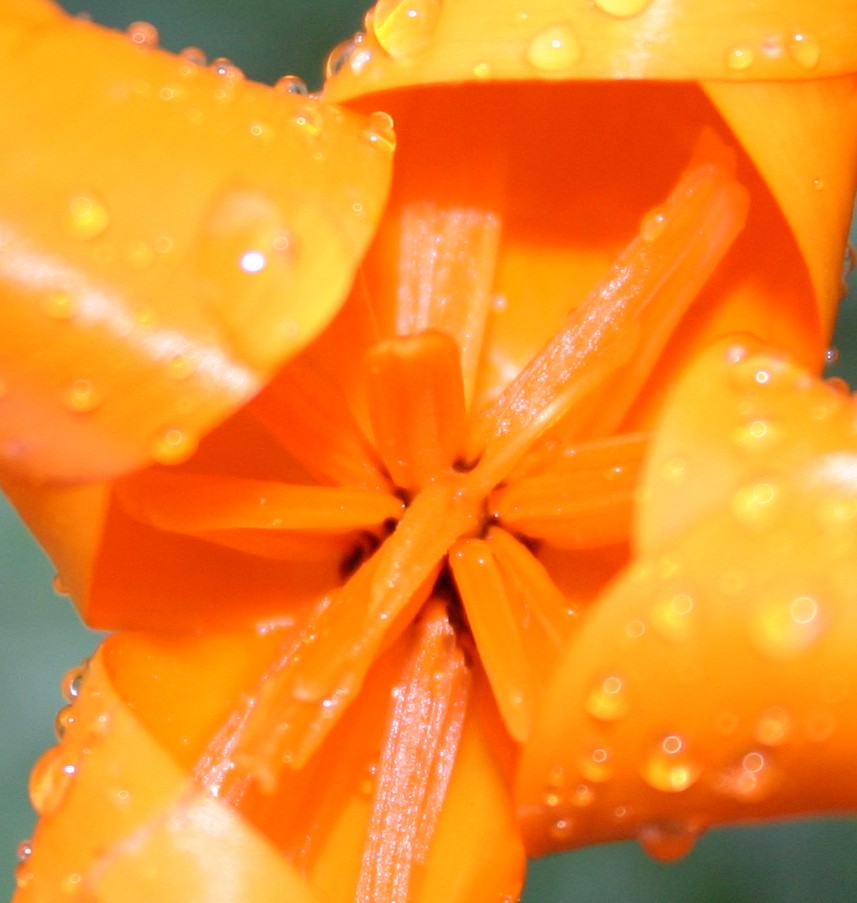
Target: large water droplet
(669,767)
(785,626)
(50,780)
(404,27)
(554,49)
(291,84)
(622,8)
(72,681)
(87,217)
(339,56)
(667,841)
(804,49)
(380,131)
(608,699)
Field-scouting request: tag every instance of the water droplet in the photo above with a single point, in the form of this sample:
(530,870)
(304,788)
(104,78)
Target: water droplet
(757,504)
(597,766)
(195,56)
(380,131)
(340,55)
(59,305)
(172,447)
(740,58)
(554,49)
(70,883)
(582,796)
(671,616)
(225,68)
(750,780)
(804,49)
(82,397)
(635,629)
(143,34)
(291,84)
(24,850)
(404,27)
(72,681)
(482,71)
(58,586)
(831,356)
(669,767)
(818,184)
(758,436)
(784,627)
(310,120)
(653,225)
(63,721)
(50,780)
(773,727)
(608,699)
(667,841)
(622,8)
(87,217)
(562,829)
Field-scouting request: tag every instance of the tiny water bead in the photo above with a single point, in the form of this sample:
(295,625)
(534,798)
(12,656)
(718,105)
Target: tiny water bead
(195,56)
(24,850)
(87,217)
(750,780)
(622,9)
(172,447)
(740,58)
(774,727)
(671,616)
(380,131)
(784,627)
(669,767)
(667,841)
(59,305)
(225,68)
(554,49)
(143,34)
(340,55)
(608,699)
(653,225)
(404,27)
(63,721)
(597,766)
(73,680)
(82,397)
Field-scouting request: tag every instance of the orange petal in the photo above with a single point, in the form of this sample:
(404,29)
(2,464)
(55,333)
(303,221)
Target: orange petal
(714,682)
(429,42)
(156,272)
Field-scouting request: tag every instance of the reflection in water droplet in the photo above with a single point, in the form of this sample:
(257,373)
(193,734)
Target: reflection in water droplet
(554,49)
(804,49)
(653,224)
(786,626)
(225,68)
(195,56)
(622,8)
(669,767)
(24,850)
(667,841)
(50,780)
(339,56)
(608,699)
(740,58)
(143,34)
(63,721)
(87,217)
(404,27)
(72,681)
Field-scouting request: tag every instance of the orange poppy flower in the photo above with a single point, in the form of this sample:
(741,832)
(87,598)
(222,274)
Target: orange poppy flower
(393,608)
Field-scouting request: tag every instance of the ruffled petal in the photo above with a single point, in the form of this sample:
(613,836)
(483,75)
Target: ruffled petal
(714,682)
(170,234)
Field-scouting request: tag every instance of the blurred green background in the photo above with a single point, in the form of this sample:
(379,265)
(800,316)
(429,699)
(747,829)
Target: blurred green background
(40,638)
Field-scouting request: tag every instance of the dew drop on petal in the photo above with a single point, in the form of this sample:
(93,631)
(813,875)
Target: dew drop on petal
(339,56)
(653,224)
(58,586)
(143,34)
(24,850)
(404,27)
(226,69)
(668,766)
(667,841)
(310,120)
(63,721)
(87,217)
(582,796)
(608,699)
(50,780)
(82,397)
(380,131)
(773,727)
(73,680)
(752,779)
(195,56)
(671,616)
(597,766)
(59,305)
(739,58)
(291,84)
(554,49)
(622,8)
(172,447)
(783,627)
(757,504)
(804,49)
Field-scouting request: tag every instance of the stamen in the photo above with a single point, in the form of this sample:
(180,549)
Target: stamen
(314,685)
(496,631)
(416,405)
(447,260)
(630,314)
(423,730)
(309,417)
(584,500)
